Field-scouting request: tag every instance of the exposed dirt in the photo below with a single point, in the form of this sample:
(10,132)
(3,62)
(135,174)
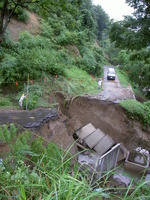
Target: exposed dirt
(16,27)
(110,118)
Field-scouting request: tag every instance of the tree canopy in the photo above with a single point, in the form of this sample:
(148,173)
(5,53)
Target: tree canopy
(134,31)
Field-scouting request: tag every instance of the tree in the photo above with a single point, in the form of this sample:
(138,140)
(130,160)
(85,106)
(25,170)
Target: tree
(8,8)
(133,32)
(45,7)
(102,21)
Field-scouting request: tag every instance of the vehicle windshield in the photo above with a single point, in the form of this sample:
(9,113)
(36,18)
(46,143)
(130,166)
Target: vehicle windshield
(111,72)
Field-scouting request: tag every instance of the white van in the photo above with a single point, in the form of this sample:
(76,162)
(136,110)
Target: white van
(111,74)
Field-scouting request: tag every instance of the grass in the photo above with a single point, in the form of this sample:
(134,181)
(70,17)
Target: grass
(137,110)
(32,170)
(123,78)
(76,82)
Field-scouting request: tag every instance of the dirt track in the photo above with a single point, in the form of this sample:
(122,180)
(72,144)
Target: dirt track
(113,91)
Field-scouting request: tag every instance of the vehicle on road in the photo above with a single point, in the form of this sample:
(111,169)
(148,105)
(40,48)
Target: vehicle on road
(111,74)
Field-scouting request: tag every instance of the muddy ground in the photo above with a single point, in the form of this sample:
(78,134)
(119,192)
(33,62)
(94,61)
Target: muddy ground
(110,117)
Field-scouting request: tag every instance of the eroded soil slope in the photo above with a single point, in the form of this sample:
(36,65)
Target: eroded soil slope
(111,119)
(16,27)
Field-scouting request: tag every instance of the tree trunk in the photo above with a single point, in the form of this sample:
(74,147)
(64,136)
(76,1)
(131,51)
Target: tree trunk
(1,36)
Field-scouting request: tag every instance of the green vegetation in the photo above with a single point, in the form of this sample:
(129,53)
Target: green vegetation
(36,168)
(132,38)
(123,78)
(52,53)
(5,102)
(137,110)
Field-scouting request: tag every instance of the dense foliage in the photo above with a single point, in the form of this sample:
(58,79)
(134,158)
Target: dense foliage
(137,110)
(132,37)
(133,32)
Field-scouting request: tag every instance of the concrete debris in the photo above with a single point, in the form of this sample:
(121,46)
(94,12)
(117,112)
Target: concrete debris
(85,131)
(143,151)
(108,161)
(104,145)
(122,180)
(107,154)
(90,161)
(138,160)
(122,153)
(95,139)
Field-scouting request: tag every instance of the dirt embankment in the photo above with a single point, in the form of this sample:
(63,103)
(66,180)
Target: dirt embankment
(110,118)
(16,27)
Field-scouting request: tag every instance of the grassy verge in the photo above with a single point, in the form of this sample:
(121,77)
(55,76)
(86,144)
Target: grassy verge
(123,78)
(137,110)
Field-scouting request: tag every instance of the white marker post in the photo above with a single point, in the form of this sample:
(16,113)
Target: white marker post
(27,93)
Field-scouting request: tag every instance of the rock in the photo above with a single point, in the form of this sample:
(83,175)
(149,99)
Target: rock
(122,180)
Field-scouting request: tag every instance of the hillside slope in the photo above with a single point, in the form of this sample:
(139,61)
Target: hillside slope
(16,27)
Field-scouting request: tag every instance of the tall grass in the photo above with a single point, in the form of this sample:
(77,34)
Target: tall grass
(34,169)
(123,78)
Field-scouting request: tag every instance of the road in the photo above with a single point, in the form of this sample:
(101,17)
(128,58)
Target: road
(113,91)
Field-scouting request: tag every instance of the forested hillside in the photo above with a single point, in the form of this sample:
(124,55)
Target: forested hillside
(66,47)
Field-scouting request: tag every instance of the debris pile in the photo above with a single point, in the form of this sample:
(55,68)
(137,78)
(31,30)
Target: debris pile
(99,154)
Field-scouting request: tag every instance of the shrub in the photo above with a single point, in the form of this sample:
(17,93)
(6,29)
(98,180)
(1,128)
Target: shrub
(22,14)
(67,37)
(137,110)
(5,102)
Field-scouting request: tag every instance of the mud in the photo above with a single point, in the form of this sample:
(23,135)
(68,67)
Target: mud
(110,118)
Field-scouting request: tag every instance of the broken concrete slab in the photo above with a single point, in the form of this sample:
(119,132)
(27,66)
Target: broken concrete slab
(29,119)
(85,131)
(122,153)
(137,161)
(94,138)
(73,125)
(108,161)
(89,161)
(104,145)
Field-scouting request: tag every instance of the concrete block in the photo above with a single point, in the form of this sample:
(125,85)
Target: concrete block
(109,160)
(136,161)
(85,131)
(104,145)
(73,125)
(122,153)
(93,139)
